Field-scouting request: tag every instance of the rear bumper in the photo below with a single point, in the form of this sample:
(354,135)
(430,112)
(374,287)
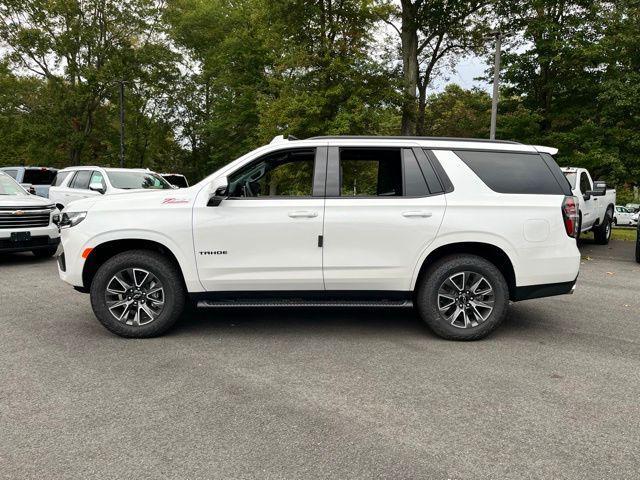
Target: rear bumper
(546,290)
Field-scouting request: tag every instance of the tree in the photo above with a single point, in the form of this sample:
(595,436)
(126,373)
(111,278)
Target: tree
(430,32)
(79,48)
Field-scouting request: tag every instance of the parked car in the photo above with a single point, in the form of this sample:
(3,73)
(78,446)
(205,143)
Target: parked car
(76,183)
(176,179)
(27,222)
(38,178)
(623,216)
(596,204)
(457,228)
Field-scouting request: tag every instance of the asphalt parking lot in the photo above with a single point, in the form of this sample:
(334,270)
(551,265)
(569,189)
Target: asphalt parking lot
(554,393)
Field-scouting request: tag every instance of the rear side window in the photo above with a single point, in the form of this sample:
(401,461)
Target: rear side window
(59,179)
(38,176)
(370,172)
(506,172)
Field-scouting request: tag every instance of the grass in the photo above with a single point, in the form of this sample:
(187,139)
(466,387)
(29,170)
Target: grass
(618,233)
(625,234)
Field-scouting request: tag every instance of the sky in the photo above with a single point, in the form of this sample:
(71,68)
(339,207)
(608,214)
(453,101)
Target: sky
(464,74)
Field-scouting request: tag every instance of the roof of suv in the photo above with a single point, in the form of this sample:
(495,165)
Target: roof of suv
(428,142)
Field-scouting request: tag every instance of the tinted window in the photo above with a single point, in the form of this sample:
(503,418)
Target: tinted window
(414,182)
(524,173)
(39,176)
(59,179)
(585,184)
(370,172)
(280,174)
(81,180)
(131,180)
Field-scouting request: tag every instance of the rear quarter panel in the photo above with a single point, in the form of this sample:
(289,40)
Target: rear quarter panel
(528,228)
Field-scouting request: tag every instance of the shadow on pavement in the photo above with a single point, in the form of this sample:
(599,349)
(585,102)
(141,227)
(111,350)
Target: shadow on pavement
(22,258)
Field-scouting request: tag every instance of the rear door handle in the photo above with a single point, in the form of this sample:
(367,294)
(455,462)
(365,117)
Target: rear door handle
(419,213)
(303,214)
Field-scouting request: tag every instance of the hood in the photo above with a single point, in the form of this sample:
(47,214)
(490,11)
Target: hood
(24,201)
(124,198)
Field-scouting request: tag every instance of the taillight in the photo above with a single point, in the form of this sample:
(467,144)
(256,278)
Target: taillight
(570,215)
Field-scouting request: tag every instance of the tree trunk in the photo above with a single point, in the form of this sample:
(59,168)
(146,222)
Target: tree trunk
(409,38)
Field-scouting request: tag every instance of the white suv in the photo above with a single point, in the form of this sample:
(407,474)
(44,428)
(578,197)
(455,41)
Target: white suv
(76,183)
(456,227)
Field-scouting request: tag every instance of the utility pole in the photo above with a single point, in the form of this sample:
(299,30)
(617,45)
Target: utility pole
(121,82)
(496,86)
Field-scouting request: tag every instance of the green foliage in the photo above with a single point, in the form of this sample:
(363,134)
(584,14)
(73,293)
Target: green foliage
(208,80)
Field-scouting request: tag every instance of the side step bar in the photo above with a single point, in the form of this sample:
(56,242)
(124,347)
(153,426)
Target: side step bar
(297,303)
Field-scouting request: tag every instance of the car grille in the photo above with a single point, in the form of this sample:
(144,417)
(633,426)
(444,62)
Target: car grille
(25,217)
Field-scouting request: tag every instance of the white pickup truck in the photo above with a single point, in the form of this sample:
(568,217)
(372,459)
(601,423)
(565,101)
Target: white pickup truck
(596,203)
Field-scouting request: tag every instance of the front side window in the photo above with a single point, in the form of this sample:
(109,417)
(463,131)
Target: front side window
(8,186)
(97,177)
(280,174)
(370,172)
(133,180)
(585,184)
(81,180)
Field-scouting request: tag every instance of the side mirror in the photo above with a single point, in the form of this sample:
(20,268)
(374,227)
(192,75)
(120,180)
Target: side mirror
(96,187)
(599,189)
(219,195)
(586,195)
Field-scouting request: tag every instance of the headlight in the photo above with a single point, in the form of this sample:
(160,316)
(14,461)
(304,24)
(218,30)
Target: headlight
(71,219)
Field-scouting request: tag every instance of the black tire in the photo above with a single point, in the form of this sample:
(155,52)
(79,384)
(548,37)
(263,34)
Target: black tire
(45,252)
(602,233)
(427,297)
(165,272)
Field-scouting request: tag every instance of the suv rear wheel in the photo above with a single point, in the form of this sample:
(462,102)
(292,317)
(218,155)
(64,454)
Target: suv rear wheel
(137,294)
(463,297)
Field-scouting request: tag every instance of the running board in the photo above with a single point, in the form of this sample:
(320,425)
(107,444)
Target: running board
(297,303)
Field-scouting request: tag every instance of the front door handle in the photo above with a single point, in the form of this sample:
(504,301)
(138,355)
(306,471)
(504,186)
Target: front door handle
(303,214)
(418,213)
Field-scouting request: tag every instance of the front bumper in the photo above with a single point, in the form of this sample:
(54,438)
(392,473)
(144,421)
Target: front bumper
(41,238)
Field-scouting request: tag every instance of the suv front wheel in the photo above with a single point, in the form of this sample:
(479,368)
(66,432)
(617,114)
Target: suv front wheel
(137,294)
(463,297)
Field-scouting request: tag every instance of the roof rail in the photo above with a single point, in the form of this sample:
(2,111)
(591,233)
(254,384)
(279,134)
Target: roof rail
(398,137)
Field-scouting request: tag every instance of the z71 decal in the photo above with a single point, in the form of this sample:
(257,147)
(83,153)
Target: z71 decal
(174,201)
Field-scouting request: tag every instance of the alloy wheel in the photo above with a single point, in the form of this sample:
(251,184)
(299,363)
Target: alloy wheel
(465,299)
(135,296)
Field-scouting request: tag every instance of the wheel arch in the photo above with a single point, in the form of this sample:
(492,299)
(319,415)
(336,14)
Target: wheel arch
(106,250)
(490,252)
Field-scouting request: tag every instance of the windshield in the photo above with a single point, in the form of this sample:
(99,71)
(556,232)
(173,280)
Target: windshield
(571,178)
(8,186)
(134,180)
